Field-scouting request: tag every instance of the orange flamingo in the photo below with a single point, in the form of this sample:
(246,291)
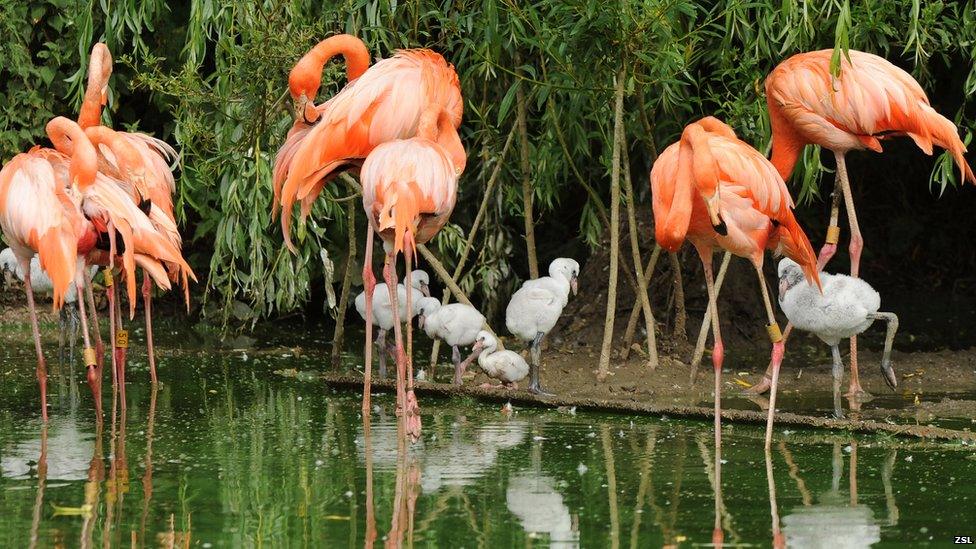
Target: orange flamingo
(385,102)
(717,191)
(40,214)
(870,100)
(304,81)
(409,191)
(141,164)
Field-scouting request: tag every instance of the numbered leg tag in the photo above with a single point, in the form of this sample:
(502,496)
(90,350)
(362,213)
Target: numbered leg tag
(89,355)
(109,279)
(121,339)
(775,335)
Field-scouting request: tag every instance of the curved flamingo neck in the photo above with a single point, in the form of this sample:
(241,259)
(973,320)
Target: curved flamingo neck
(127,155)
(306,76)
(787,142)
(96,91)
(68,138)
(436,125)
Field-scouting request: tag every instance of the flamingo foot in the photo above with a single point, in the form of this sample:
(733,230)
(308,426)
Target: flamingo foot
(412,418)
(760,388)
(856,392)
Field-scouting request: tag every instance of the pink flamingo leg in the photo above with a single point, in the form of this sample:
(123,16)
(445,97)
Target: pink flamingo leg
(779,349)
(857,244)
(147,300)
(41,365)
(91,360)
(99,345)
(389,275)
(369,283)
(718,355)
(413,407)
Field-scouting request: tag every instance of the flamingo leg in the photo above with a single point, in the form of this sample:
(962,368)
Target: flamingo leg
(120,338)
(857,244)
(833,230)
(535,350)
(99,345)
(381,350)
(838,373)
(889,373)
(776,358)
(456,358)
(110,293)
(91,360)
(62,332)
(147,299)
(413,407)
(369,283)
(41,365)
(718,355)
(389,276)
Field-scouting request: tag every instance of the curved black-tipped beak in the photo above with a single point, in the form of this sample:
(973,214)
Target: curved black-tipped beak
(721,228)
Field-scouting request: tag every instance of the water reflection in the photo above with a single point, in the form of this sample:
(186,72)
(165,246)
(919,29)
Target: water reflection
(233,460)
(837,520)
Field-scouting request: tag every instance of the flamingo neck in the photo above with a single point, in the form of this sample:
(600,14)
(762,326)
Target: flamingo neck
(436,125)
(306,76)
(96,91)
(69,139)
(787,143)
(126,154)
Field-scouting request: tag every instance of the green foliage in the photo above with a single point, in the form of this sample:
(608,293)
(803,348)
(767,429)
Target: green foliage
(215,75)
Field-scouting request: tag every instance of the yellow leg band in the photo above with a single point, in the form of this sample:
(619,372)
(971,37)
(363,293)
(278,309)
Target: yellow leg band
(89,355)
(833,234)
(109,280)
(121,339)
(775,335)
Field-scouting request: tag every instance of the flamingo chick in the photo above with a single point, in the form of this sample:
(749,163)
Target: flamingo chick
(506,366)
(537,305)
(456,323)
(847,307)
(383,310)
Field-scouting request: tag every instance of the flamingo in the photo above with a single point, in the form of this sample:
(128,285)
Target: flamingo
(536,307)
(383,103)
(846,307)
(409,192)
(506,366)
(457,324)
(719,192)
(39,214)
(147,162)
(870,100)
(304,81)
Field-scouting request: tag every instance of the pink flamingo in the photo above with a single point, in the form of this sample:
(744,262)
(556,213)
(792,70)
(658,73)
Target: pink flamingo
(409,191)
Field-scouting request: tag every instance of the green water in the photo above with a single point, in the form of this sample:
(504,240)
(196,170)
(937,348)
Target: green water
(227,453)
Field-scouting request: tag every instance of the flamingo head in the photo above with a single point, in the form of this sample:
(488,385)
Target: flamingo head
(790,274)
(303,85)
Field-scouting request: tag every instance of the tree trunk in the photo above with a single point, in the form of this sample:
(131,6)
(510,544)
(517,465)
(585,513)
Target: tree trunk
(638,271)
(618,131)
(527,192)
(339,333)
(680,332)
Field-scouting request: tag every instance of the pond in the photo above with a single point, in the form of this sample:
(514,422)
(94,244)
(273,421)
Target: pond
(227,453)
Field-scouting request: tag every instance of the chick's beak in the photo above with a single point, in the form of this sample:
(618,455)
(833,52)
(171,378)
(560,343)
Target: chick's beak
(783,287)
(573,285)
(425,289)
(478,347)
(420,320)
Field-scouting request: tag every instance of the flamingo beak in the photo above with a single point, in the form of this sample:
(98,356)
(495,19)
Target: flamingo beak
(477,347)
(104,97)
(573,285)
(715,215)
(784,286)
(420,320)
(425,289)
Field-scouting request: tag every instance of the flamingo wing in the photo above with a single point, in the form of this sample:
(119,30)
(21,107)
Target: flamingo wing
(37,215)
